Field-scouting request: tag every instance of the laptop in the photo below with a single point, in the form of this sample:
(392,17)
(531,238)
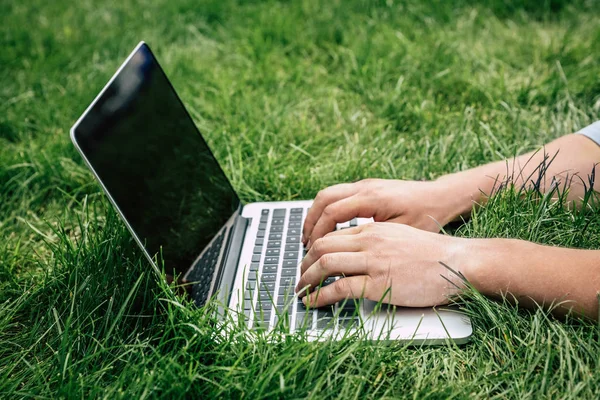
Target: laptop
(163,180)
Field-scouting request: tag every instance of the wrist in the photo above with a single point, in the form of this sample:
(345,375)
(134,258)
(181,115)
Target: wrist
(487,263)
(459,194)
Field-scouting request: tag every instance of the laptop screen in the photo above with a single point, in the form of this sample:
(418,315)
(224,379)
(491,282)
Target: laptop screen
(149,155)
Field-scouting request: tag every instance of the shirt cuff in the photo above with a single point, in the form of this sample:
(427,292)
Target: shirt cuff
(592,131)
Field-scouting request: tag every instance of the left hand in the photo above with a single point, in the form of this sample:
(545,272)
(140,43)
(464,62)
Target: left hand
(387,262)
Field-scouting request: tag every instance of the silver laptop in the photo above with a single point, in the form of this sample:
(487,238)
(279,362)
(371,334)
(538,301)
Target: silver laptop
(162,178)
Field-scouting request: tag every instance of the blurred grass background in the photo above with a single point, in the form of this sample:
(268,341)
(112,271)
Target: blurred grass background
(293,96)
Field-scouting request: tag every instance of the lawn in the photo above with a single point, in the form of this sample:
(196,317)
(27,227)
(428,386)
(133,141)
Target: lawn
(293,96)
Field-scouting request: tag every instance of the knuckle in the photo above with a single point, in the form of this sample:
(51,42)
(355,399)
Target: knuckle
(329,211)
(325,261)
(377,254)
(341,287)
(367,227)
(319,246)
(322,195)
(370,186)
(370,237)
(367,191)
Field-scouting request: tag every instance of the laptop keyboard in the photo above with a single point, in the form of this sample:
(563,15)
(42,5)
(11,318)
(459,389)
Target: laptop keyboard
(203,271)
(272,275)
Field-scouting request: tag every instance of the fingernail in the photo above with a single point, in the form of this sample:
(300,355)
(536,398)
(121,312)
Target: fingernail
(304,299)
(308,245)
(303,239)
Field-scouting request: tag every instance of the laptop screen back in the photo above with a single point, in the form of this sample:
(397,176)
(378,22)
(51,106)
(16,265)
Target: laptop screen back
(150,157)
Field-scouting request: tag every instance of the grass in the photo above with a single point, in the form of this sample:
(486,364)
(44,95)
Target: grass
(306,94)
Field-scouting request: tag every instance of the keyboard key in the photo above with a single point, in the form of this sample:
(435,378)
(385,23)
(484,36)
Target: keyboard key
(260,234)
(252,276)
(259,325)
(250,285)
(353,222)
(268,286)
(255,258)
(295,224)
(288,281)
(259,242)
(282,319)
(294,232)
(272,252)
(286,290)
(284,300)
(348,323)
(328,281)
(265,296)
(304,320)
(268,277)
(257,249)
(276,229)
(270,269)
(254,267)
(326,312)
(283,307)
(292,247)
(279,212)
(290,264)
(295,239)
(296,217)
(347,313)
(274,236)
(262,226)
(349,304)
(264,315)
(324,323)
(265,212)
(271,260)
(274,244)
(264,306)
(296,211)
(277,221)
(289,255)
(264,218)
(288,272)
(325,318)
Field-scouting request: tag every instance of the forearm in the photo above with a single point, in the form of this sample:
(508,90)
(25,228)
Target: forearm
(572,158)
(534,274)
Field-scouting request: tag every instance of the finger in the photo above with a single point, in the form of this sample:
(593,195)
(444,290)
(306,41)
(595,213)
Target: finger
(338,212)
(353,287)
(347,231)
(329,245)
(333,264)
(324,198)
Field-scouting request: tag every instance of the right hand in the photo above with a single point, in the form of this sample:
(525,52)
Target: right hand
(424,205)
(393,263)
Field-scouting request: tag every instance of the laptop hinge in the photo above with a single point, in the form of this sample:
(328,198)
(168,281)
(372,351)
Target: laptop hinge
(226,275)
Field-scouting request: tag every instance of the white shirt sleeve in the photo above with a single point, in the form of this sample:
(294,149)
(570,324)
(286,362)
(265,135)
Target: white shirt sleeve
(592,131)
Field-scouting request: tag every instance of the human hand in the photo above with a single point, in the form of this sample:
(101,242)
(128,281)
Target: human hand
(393,263)
(424,205)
